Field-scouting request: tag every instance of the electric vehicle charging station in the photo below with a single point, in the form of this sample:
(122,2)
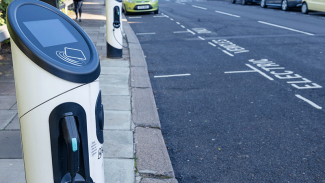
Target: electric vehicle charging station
(114,35)
(56,69)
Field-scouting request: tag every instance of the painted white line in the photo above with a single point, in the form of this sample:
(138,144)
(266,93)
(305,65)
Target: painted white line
(191,31)
(228,53)
(212,44)
(145,33)
(176,32)
(201,38)
(262,73)
(279,26)
(171,19)
(134,17)
(199,7)
(309,102)
(232,72)
(175,75)
(159,16)
(166,16)
(183,26)
(177,22)
(228,14)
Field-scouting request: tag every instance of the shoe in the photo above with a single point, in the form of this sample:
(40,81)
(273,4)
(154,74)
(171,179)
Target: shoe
(77,19)
(80,20)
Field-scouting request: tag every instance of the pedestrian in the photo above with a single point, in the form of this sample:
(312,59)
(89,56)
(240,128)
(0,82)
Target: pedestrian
(77,6)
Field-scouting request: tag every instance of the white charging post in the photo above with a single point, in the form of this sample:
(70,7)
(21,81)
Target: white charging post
(114,35)
(56,69)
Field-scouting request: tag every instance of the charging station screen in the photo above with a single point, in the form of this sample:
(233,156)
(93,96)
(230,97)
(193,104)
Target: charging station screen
(50,32)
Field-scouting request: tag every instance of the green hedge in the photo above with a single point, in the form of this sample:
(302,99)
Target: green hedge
(3,8)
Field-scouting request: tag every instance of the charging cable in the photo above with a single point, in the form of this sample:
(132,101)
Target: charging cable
(119,42)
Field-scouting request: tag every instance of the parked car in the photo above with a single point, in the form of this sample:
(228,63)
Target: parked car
(284,4)
(133,6)
(244,2)
(312,5)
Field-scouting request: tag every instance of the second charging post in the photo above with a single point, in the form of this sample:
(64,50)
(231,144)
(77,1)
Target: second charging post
(114,35)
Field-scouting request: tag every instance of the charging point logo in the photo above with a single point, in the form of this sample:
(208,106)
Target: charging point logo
(72,56)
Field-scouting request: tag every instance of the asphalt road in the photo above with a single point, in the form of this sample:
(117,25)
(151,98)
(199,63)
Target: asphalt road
(239,90)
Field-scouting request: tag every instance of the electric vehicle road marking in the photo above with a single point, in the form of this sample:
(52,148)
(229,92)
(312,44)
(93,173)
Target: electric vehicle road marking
(212,44)
(199,7)
(309,102)
(287,28)
(228,14)
(229,46)
(175,75)
(145,33)
(295,80)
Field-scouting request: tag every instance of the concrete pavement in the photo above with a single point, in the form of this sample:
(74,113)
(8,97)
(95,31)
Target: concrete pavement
(134,150)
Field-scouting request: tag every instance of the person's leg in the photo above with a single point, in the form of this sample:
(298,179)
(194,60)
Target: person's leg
(75,3)
(80,11)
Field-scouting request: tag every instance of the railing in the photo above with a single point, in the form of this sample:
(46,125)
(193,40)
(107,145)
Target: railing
(65,5)
(4,34)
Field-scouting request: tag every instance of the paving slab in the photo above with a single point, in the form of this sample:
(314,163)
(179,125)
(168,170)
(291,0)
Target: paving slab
(119,103)
(15,107)
(114,63)
(140,77)
(10,145)
(151,153)
(7,78)
(118,144)
(14,124)
(117,120)
(7,88)
(114,70)
(149,180)
(114,89)
(120,79)
(12,171)
(101,43)
(119,170)
(6,102)
(6,116)
(144,110)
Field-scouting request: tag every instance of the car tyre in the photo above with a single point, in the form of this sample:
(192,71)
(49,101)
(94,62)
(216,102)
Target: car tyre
(243,2)
(304,8)
(233,1)
(156,12)
(284,5)
(263,4)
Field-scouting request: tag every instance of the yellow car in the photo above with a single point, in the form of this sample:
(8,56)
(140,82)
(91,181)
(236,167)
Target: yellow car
(312,5)
(133,6)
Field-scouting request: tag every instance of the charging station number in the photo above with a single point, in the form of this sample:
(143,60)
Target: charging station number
(100,152)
